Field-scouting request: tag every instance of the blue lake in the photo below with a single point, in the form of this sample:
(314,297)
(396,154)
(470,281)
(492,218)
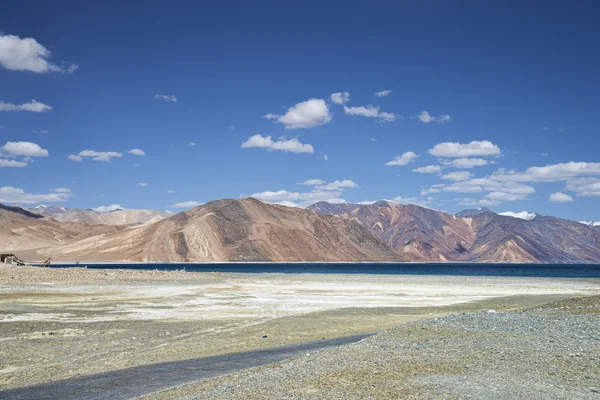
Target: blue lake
(523,270)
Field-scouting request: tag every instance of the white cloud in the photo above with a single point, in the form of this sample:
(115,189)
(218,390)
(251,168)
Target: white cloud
(468,162)
(12,163)
(137,152)
(171,191)
(106,209)
(430,190)
(291,145)
(410,200)
(27,149)
(474,203)
(286,203)
(550,173)
(28,55)
(340,97)
(559,197)
(142,184)
(192,144)
(33,106)
(187,204)
(457,176)
(12,195)
(383,93)
(312,182)
(165,97)
(426,118)
(475,148)
(370,112)
(584,186)
(40,131)
(503,196)
(330,192)
(307,114)
(403,159)
(479,185)
(325,157)
(95,155)
(430,169)
(339,185)
(62,190)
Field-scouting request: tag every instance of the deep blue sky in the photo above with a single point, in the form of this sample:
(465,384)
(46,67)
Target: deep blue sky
(521,75)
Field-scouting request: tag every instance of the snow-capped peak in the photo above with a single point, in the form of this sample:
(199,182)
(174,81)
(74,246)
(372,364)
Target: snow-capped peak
(591,223)
(41,206)
(527,216)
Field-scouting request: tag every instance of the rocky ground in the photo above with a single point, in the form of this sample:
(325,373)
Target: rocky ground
(61,323)
(548,352)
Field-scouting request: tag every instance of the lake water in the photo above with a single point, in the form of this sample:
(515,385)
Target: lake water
(524,270)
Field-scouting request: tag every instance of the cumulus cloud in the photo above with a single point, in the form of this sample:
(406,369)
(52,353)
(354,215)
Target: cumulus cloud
(137,152)
(27,149)
(291,145)
(430,169)
(107,209)
(468,162)
(12,163)
(165,97)
(559,197)
(26,54)
(478,185)
(105,156)
(330,192)
(33,106)
(307,114)
(403,159)
(550,173)
(12,195)
(312,182)
(426,118)
(475,148)
(340,97)
(339,185)
(383,93)
(503,196)
(187,204)
(411,200)
(75,158)
(584,186)
(457,176)
(370,112)
(474,203)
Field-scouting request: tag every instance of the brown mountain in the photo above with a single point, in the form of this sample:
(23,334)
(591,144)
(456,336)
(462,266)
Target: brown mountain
(23,230)
(422,234)
(234,230)
(91,217)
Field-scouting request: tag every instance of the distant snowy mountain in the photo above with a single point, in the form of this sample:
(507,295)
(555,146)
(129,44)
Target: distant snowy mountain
(591,223)
(47,211)
(527,216)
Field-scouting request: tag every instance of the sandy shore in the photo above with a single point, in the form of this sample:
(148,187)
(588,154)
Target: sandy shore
(58,323)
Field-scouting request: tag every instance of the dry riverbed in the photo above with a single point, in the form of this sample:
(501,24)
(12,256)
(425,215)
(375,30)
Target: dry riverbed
(59,323)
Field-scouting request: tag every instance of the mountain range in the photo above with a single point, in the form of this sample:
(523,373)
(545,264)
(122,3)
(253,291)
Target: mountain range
(91,217)
(250,230)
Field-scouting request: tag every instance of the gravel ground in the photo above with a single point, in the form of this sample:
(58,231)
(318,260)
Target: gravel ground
(549,352)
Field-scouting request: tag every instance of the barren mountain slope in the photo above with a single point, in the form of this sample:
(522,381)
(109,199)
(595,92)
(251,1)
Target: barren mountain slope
(117,217)
(422,234)
(21,229)
(236,230)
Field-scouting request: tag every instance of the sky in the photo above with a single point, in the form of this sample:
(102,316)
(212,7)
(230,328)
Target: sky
(445,104)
